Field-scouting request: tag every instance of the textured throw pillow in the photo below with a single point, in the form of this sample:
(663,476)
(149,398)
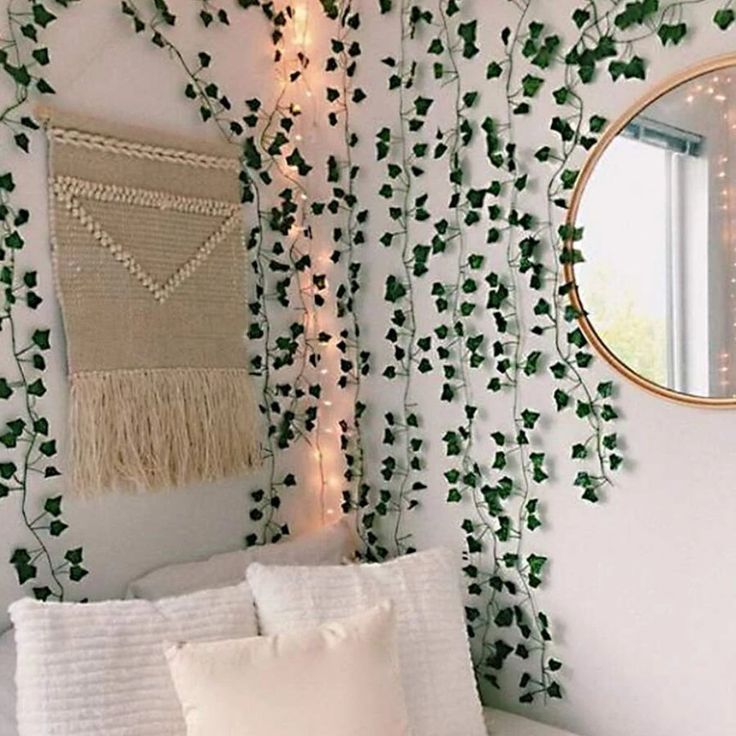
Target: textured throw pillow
(7,684)
(327,546)
(341,679)
(99,669)
(434,654)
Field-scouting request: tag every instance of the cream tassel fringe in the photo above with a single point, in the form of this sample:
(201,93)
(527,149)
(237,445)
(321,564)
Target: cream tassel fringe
(146,430)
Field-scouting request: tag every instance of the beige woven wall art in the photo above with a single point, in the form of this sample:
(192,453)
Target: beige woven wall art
(151,273)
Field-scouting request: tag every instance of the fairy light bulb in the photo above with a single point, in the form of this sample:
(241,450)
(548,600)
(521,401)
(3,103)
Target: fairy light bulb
(301,25)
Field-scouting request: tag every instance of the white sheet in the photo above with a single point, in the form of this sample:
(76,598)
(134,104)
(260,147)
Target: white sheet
(506,724)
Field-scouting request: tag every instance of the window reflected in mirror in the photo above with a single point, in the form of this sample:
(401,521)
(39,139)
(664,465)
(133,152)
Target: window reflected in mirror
(657,208)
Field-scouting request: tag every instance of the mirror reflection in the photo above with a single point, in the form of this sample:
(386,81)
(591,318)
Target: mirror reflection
(658,279)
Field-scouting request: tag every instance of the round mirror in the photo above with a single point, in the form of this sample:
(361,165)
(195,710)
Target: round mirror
(655,277)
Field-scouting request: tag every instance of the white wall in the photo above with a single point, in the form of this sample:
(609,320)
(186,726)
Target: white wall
(640,587)
(99,67)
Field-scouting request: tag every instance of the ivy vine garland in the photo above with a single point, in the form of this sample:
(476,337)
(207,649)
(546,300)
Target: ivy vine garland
(502,318)
(27,441)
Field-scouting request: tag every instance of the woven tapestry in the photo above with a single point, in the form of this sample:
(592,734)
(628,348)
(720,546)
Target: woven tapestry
(151,270)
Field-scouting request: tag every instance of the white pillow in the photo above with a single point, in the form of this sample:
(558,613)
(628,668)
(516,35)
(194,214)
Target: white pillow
(8,725)
(98,669)
(341,679)
(434,654)
(327,546)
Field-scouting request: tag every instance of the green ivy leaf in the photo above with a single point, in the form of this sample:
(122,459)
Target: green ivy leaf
(724,18)
(40,339)
(468,32)
(531,85)
(74,556)
(57,528)
(7,470)
(672,33)
(37,388)
(53,506)
(5,390)
(42,16)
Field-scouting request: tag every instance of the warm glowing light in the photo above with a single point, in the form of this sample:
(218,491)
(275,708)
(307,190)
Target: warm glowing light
(301,25)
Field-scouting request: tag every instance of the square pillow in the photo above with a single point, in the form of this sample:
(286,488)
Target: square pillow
(425,589)
(341,679)
(99,669)
(326,546)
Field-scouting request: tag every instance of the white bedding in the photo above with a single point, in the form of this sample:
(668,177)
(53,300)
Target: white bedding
(506,724)
(499,723)
(7,684)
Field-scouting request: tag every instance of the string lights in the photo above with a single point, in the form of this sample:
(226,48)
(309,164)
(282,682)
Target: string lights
(320,320)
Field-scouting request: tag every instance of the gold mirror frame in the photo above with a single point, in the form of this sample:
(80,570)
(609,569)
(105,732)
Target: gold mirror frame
(673,82)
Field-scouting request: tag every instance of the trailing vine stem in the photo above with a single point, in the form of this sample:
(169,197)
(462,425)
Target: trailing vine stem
(342,172)
(400,473)
(22,57)
(468,476)
(409,328)
(542,683)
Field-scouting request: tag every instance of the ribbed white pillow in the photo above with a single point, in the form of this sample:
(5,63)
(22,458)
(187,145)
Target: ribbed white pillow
(99,669)
(434,654)
(326,546)
(340,679)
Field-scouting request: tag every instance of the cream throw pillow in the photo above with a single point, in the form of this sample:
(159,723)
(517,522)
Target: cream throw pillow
(341,679)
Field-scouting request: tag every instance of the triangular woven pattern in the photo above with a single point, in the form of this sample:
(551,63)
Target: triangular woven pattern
(151,273)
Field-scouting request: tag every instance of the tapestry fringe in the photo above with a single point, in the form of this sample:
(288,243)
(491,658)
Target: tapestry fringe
(146,430)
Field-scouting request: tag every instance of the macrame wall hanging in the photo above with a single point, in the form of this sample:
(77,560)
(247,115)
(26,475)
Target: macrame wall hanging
(151,269)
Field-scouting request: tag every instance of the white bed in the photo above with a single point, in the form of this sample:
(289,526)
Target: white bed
(506,724)
(499,723)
